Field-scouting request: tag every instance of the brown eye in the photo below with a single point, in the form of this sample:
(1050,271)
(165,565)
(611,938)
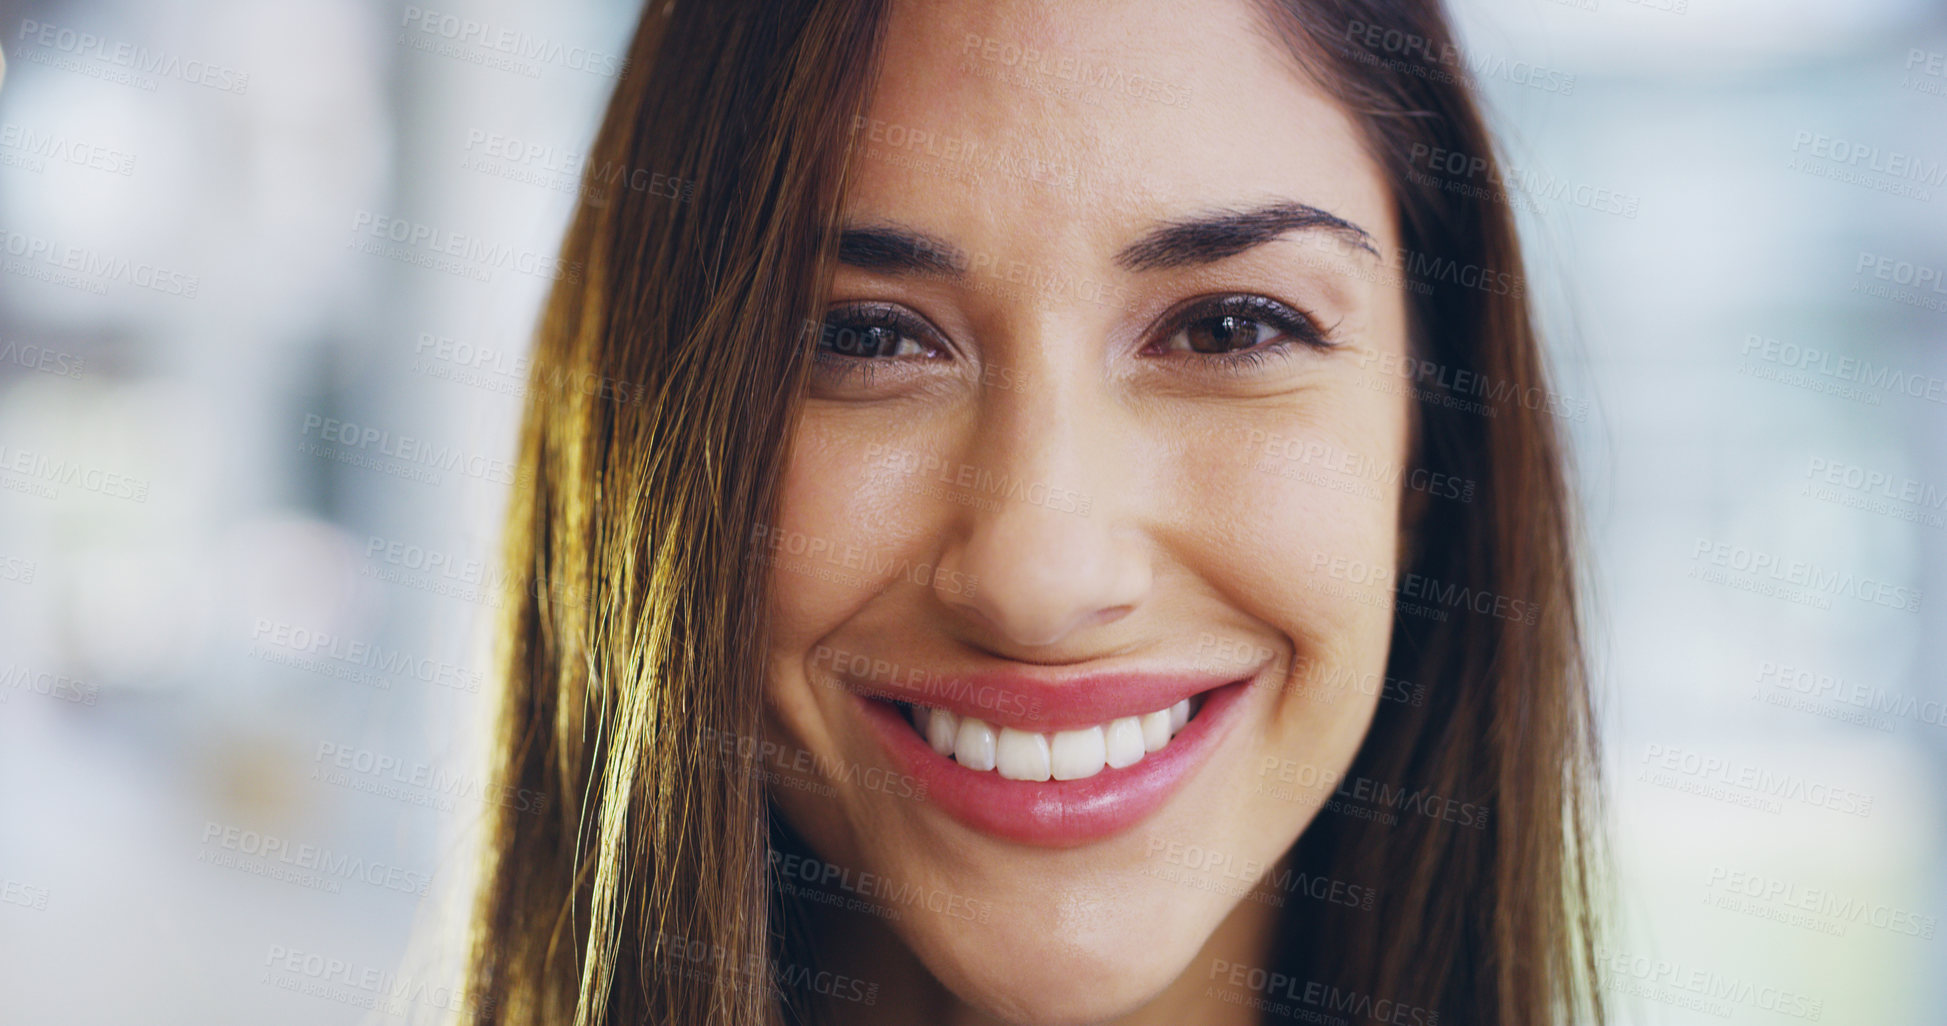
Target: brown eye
(865,341)
(875,332)
(1237,327)
(1225,333)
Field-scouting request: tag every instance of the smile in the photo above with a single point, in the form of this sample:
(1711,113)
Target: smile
(1064,755)
(1071,762)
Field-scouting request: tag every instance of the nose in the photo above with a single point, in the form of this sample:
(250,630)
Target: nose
(1050,546)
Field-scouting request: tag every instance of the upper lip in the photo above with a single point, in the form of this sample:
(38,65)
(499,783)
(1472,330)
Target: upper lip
(1049,699)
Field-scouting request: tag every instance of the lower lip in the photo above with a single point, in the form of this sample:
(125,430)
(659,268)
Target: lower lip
(1057,813)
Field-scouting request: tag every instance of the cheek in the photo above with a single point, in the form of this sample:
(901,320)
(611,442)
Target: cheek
(1294,515)
(847,529)
(850,524)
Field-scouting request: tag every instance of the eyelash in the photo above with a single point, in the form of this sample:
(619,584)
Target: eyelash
(1294,326)
(857,316)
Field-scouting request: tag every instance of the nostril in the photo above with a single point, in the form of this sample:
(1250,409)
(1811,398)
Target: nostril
(1036,576)
(1023,634)
(1027,609)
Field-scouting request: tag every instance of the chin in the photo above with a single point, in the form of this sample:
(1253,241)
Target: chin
(1029,977)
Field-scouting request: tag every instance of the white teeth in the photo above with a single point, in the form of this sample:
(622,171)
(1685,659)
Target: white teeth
(1064,755)
(1022,755)
(1123,746)
(1156,729)
(941,730)
(973,746)
(1078,753)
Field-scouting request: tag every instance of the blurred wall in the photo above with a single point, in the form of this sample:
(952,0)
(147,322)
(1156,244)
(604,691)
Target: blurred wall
(254,454)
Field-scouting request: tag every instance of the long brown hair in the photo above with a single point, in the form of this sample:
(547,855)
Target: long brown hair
(1495,925)
(633,642)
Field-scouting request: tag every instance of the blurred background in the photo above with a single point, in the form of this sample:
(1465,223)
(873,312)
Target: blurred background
(254,455)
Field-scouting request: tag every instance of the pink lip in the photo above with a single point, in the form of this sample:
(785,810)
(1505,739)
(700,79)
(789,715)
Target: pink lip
(1058,813)
(1046,702)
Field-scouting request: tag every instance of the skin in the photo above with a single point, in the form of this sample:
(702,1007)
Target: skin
(1197,547)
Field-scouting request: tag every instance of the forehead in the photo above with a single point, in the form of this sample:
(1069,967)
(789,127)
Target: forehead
(1091,121)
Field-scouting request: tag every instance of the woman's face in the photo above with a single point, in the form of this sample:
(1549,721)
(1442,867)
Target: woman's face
(1091,438)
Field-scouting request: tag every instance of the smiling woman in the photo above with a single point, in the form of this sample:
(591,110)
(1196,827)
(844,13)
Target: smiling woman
(1048,578)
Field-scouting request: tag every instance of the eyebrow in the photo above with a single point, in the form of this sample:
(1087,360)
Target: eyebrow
(899,251)
(1203,239)
(1209,238)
